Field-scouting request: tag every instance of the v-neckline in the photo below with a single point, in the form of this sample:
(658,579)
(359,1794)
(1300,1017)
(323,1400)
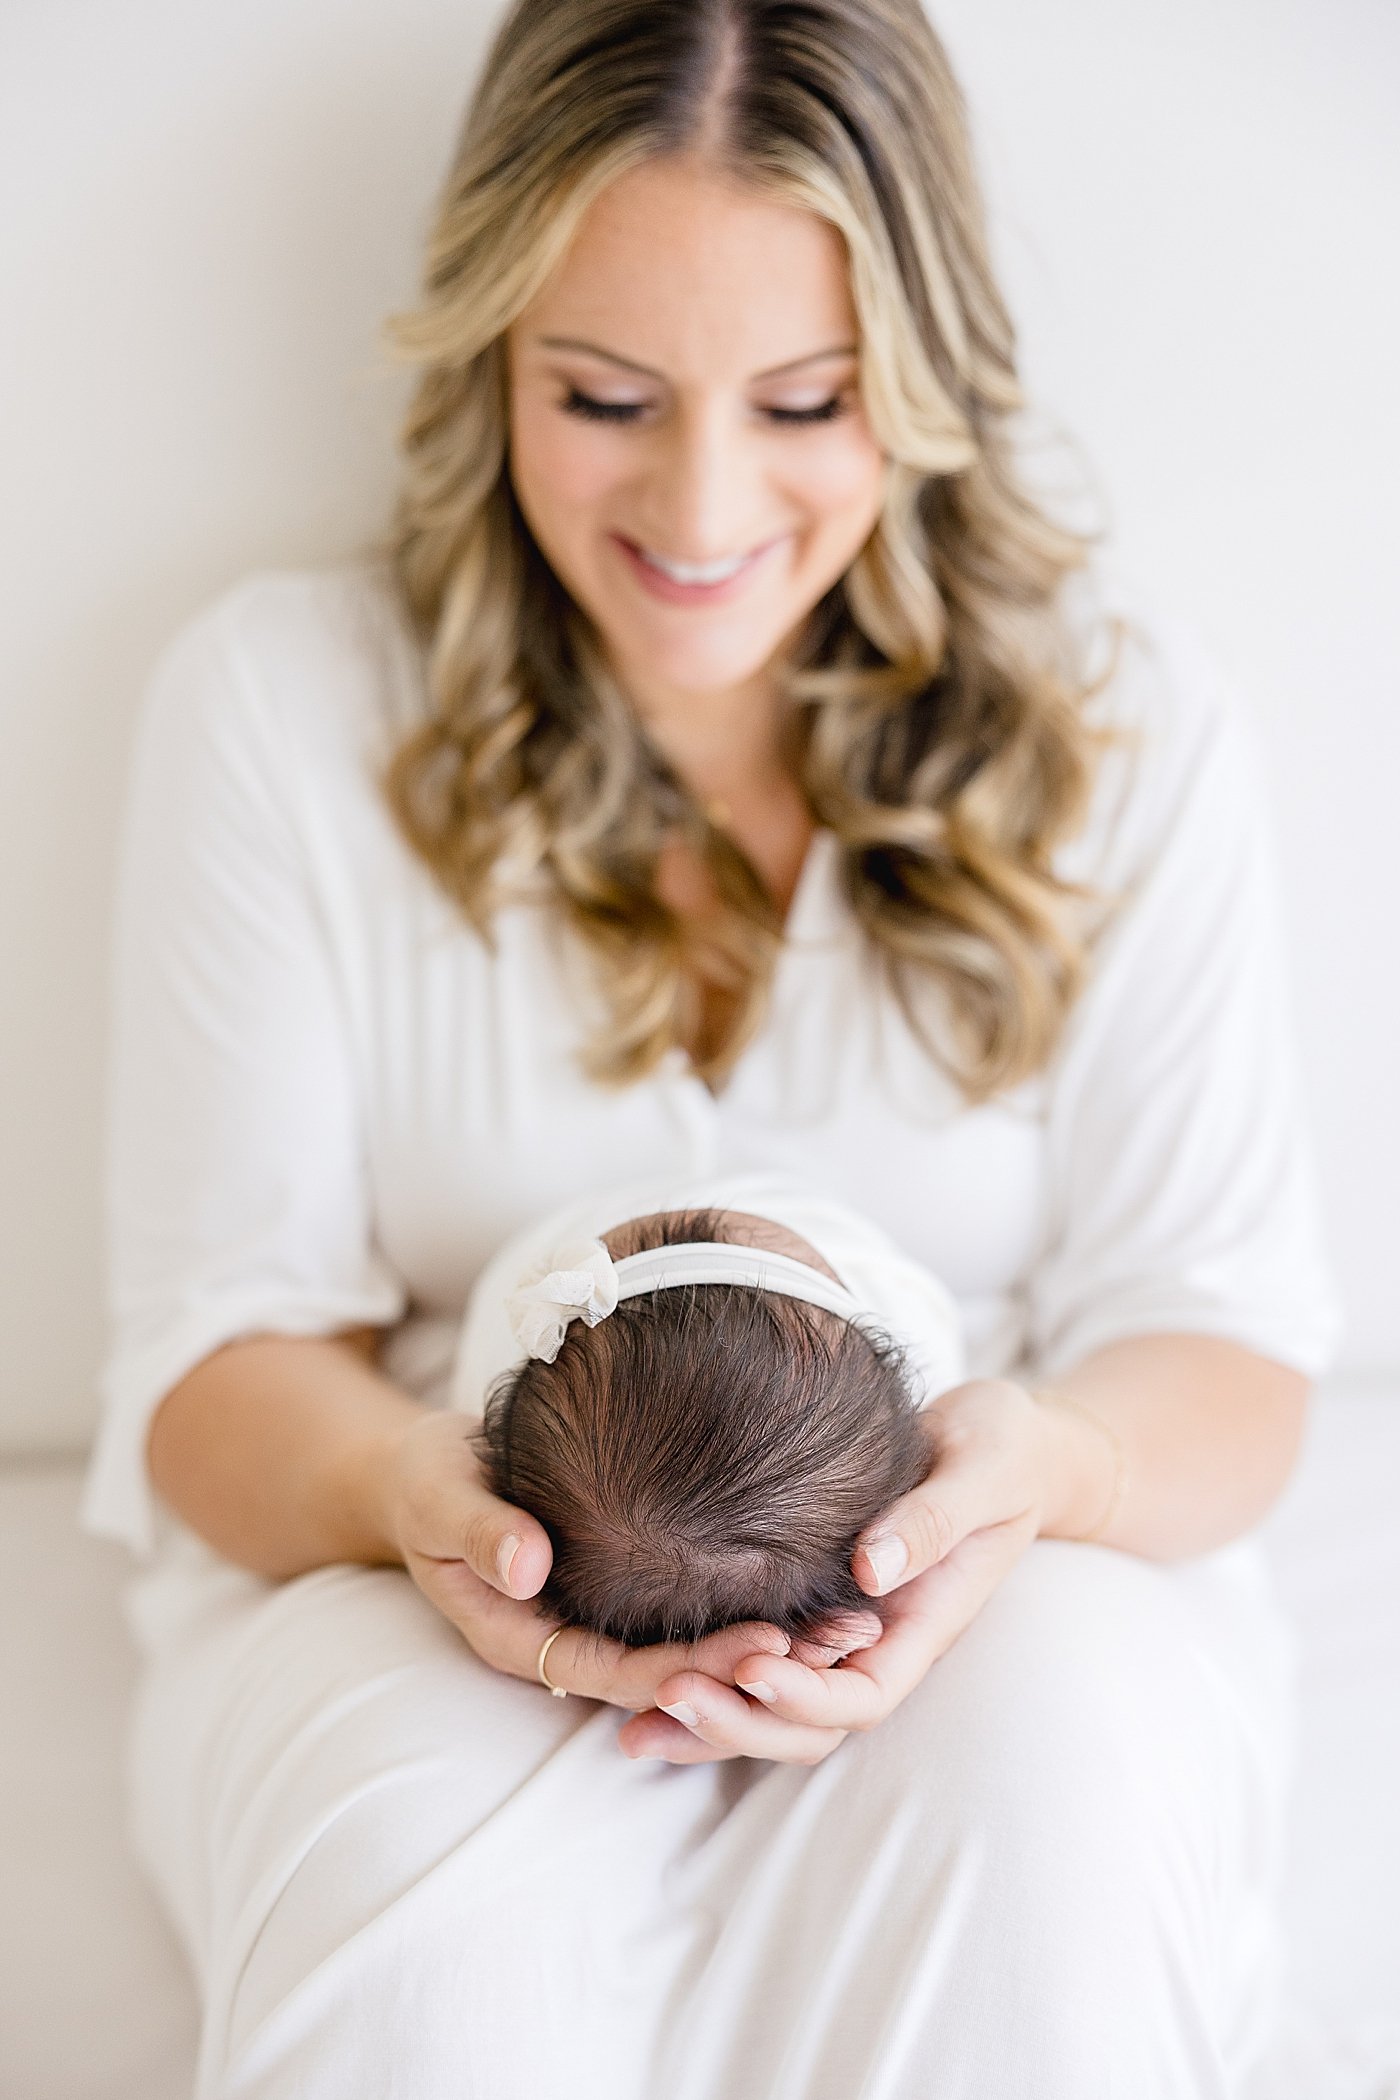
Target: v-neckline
(810,877)
(798,924)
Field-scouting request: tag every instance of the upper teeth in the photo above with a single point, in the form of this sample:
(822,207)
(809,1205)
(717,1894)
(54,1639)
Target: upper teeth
(696,571)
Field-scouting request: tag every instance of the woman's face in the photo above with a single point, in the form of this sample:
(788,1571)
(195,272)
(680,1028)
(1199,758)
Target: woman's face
(683,392)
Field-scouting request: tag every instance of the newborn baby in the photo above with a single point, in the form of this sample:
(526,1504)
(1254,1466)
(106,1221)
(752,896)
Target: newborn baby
(704,1392)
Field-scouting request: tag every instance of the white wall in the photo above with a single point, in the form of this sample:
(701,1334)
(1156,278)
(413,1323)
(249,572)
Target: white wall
(1198,217)
(208,208)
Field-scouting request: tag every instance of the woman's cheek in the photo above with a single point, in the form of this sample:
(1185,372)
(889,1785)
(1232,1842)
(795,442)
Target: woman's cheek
(562,482)
(841,494)
(844,478)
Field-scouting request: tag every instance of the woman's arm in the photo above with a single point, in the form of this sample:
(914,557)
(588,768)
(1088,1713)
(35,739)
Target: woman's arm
(1198,1438)
(1209,1433)
(275,1449)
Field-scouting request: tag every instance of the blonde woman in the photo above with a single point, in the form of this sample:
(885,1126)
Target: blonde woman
(726,767)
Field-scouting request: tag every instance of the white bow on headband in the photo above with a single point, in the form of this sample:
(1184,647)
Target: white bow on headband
(581,1281)
(580,1284)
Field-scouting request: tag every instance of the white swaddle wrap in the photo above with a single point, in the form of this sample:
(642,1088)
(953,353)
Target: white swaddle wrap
(886,1287)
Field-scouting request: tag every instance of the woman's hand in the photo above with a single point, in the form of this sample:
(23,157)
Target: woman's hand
(481,1560)
(938,1554)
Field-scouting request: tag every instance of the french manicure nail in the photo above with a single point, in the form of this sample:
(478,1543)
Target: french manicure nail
(762,1691)
(681,1712)
(505,1554)
(889,1557)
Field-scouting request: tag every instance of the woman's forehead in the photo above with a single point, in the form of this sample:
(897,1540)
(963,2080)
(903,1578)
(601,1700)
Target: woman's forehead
(689,274)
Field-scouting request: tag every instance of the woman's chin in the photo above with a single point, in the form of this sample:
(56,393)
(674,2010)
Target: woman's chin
(694,672)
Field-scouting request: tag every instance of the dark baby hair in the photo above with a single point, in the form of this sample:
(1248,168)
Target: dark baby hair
(707,1453)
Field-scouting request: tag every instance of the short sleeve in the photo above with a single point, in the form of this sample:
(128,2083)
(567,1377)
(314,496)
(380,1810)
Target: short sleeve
(1182,1188)
(236,1189)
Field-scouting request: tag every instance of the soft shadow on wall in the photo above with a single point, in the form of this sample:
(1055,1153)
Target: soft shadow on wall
(210,212)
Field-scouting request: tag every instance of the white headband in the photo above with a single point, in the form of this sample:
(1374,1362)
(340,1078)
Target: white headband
(583,1282)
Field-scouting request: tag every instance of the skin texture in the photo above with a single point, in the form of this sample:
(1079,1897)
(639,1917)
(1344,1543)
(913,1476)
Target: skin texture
(287,1454)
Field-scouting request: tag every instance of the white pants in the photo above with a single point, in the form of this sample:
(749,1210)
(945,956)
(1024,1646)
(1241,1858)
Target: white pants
(402,1875)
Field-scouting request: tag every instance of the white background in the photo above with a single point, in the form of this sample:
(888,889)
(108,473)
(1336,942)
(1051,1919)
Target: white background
(205,210)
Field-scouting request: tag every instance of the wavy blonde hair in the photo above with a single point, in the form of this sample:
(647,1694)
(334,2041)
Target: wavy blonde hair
(935,701)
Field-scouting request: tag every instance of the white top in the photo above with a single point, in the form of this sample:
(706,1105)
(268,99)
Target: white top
(912,1306)
(330,1101)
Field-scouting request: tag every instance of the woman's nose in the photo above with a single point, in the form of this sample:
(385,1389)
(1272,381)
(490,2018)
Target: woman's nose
(708,494)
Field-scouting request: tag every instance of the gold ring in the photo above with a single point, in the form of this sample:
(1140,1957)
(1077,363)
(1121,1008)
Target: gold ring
(557,1689)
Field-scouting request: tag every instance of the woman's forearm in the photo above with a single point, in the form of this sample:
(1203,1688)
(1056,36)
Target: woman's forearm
(1209,1432)
(274,1450)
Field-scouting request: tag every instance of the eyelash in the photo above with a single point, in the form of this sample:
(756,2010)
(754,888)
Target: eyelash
(577,404)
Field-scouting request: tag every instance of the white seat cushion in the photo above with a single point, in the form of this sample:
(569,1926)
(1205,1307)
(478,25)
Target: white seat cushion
(98,2001)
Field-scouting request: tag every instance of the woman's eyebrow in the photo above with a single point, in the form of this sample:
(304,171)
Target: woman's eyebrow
(569,342)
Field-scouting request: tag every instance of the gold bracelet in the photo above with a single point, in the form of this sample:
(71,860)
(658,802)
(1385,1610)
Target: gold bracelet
(1120,1457)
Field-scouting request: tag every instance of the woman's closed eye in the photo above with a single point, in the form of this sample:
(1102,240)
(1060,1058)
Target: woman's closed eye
(580,404)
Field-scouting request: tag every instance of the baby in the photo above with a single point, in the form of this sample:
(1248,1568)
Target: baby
(700,1409)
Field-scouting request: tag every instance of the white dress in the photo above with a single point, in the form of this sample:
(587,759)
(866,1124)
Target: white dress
(401,1873)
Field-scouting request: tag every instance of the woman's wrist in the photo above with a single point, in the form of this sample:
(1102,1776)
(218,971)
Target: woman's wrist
(369,1494)
(1086,1467)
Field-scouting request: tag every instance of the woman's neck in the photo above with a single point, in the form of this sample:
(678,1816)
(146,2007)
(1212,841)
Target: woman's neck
(728,746)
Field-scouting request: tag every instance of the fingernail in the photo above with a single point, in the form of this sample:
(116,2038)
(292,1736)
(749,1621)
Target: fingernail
(505,1554)
(762,1691)
(681,1712)
(888,1557)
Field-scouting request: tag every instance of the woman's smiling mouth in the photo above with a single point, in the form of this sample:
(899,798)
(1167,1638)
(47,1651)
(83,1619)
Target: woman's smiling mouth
(691,583)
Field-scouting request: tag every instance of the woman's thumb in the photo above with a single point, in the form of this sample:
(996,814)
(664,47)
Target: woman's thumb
(915,1533)
(521,1556)
(455,1516)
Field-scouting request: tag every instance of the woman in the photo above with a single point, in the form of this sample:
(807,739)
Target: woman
(724,768)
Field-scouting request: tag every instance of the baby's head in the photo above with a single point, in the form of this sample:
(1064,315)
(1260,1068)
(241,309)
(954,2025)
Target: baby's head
(707,1452)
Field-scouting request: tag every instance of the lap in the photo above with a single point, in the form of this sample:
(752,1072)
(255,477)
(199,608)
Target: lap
(1076,1821)
(346,1808)
(336,1796)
